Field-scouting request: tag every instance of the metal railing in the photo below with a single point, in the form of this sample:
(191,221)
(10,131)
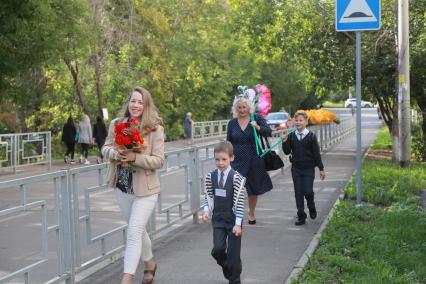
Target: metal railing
(22,149)
(79,196)
(202,130)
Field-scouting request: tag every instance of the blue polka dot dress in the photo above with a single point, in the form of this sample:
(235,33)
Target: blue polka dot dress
(246,161)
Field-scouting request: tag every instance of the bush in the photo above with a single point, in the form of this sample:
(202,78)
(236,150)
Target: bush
(417,144)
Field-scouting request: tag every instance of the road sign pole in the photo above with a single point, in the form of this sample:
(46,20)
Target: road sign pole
(358,118)
(357,16)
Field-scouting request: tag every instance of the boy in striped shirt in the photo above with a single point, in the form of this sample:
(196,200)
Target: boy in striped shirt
(225,200)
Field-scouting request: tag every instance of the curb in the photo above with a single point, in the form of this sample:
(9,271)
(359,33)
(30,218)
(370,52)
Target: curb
(303,260)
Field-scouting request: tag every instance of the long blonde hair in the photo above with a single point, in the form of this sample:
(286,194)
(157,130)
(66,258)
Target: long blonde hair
(150,117)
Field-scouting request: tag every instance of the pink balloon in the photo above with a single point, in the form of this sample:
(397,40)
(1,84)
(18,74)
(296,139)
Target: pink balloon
(264,103)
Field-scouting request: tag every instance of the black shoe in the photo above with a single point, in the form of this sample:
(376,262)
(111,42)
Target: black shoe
(313,212)
(300,221)
(225,272)
(236,281)
(252,222)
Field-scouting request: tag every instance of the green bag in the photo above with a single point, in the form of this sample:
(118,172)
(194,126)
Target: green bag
(77,137)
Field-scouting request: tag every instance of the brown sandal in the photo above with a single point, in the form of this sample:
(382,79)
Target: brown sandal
(149,272)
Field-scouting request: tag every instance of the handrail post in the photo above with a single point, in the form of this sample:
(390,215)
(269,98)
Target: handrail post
(15,152)
(195,191)
(49,149)
(67,230)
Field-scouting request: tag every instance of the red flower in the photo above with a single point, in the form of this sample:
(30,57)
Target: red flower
(136,138)
(121,127)
(128,134)
(127,140)
(134,132)
(119,139)
(134,121)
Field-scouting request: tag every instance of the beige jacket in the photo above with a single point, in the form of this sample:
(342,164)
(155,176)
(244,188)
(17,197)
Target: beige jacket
(145,180)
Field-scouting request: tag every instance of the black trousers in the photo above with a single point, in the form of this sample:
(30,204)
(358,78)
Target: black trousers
(227,251)
(85,149)
(100,145)
(303,181)
(70,150)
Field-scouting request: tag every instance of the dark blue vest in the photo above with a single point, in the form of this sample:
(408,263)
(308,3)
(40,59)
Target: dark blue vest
(223,216)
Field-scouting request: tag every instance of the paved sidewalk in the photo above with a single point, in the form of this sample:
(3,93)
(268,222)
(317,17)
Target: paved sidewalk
(272,247)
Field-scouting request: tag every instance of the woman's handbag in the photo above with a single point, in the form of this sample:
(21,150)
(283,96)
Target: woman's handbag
(271,159)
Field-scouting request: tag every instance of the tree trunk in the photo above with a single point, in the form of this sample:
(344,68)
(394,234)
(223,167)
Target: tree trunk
(98,85)
(77,85)
(395,140)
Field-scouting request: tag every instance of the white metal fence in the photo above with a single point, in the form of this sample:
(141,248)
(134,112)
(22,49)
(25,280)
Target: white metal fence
(22,149)
(202,130)
(74,237)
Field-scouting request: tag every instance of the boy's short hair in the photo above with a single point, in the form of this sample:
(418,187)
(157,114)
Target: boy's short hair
(224,147)
(302,113)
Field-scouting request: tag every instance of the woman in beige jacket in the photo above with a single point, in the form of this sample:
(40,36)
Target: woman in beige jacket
(137,191)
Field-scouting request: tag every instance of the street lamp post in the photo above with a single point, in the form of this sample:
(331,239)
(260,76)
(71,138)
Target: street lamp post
(404,84)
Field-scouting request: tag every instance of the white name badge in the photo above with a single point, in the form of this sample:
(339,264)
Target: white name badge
(220,192)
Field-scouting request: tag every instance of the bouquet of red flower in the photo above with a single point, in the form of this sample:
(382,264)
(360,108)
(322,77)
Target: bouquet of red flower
(128,136)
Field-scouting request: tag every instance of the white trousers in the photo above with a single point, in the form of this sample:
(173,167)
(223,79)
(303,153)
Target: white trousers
(136,211)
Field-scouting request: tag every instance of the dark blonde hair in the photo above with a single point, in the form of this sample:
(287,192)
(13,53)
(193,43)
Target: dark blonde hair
(150,117)
(301,113)
(224,147)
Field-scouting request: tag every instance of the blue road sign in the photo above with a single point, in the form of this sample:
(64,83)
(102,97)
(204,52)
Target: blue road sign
(357,15)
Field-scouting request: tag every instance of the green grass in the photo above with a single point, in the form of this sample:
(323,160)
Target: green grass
(383,242)
(384,183)
(331,104)
(370,245)
(383,140)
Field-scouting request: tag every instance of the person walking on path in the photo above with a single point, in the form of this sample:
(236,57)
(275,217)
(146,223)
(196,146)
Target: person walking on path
(84,138)
(137,190)
(187,127)
(225,198)
(69,132)
(305,156)
(247,162)
(99,135)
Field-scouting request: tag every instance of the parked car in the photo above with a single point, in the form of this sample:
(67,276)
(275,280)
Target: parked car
(277,120)
(352,103)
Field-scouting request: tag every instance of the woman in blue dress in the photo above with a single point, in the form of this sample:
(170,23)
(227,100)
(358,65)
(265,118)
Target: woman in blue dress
(247,162)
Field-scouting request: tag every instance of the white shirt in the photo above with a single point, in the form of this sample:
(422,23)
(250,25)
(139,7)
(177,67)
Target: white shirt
(304,133)
(225,175)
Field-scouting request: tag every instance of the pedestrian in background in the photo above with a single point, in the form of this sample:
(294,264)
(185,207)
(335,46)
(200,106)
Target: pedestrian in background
(69,132)
(137,190)
(187,127)
(84,139)
(303,147)
(100,133)
(247,162)
(225,200)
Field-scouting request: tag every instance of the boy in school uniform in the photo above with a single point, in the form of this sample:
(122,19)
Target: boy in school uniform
(305,156)
(225,200)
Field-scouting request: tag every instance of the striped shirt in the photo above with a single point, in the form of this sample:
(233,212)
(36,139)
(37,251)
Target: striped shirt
(238,198)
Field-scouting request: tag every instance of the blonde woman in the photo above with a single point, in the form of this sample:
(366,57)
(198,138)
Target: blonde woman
(84,138)
(137,191)
(247,162)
